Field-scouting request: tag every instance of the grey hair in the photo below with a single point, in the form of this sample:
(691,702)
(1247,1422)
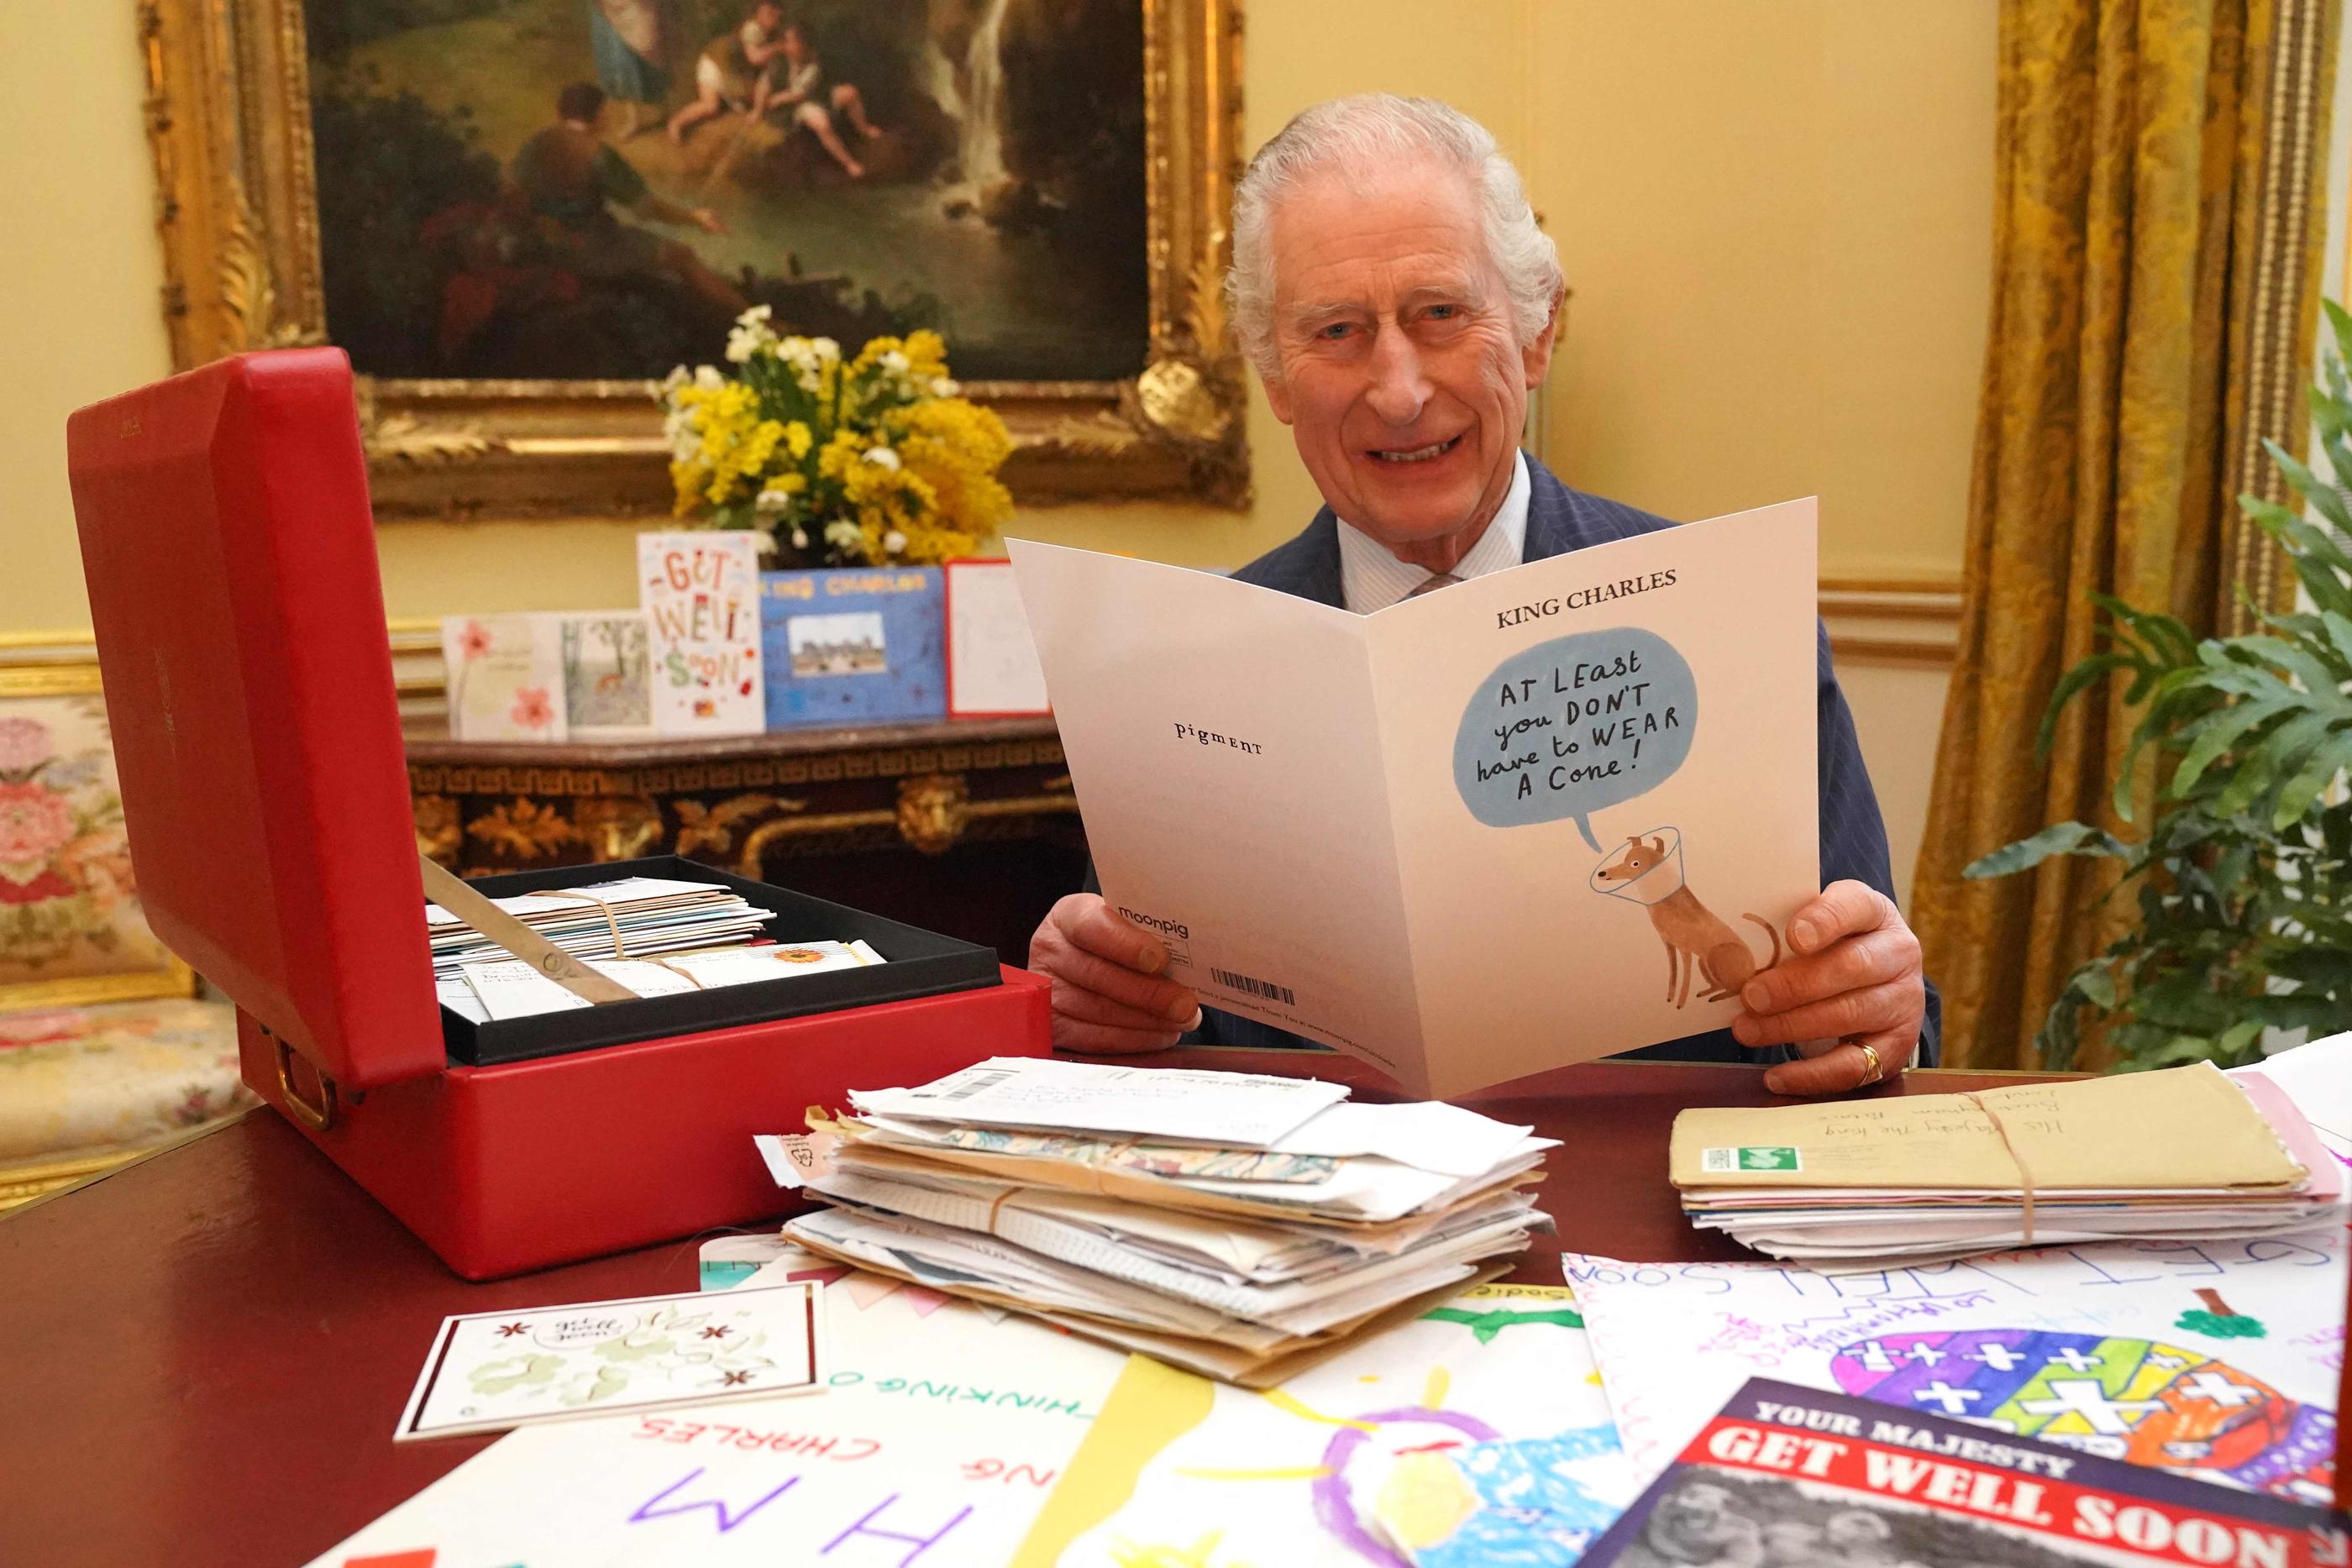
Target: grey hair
(1368,130)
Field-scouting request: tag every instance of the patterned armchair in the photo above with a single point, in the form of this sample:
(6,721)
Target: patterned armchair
(104,1050)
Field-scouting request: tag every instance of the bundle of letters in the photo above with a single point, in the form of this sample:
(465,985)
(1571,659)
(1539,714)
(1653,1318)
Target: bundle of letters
(2188,1153)
(1238,1226)
(654,937)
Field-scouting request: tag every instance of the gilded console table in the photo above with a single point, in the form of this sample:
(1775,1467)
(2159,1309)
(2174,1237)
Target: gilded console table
(967,827)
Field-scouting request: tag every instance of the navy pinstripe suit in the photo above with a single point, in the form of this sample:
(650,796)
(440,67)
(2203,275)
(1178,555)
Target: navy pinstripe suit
(1853,837)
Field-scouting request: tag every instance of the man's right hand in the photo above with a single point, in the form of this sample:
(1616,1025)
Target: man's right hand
(1110,991)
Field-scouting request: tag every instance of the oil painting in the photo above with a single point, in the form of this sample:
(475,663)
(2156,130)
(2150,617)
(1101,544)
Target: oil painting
(592,189)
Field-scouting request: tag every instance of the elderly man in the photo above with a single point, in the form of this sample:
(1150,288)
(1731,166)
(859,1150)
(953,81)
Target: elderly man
(1392,290)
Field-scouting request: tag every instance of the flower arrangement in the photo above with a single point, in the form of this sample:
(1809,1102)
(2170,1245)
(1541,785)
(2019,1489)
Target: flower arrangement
(871,461)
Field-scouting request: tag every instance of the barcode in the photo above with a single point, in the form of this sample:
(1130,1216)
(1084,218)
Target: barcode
(978,1083)
(1255,987)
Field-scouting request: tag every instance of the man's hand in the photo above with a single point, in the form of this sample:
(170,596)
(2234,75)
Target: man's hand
(1853,980)
(1109,993)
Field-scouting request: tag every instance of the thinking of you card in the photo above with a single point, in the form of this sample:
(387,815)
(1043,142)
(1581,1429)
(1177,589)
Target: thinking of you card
(490,1371)
(700,591)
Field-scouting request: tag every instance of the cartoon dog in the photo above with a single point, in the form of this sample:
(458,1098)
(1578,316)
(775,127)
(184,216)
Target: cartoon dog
(1692,933)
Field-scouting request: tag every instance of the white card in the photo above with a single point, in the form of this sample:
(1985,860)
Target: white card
(510,988)
(701,597)
(1238,1110)
(748,966)
(505,679)
(490,1371)
(992,666)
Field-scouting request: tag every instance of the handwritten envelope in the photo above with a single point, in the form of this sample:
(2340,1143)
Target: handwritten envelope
(490,1371)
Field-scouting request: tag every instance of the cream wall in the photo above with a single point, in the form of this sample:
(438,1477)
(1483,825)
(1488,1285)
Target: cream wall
(80,303)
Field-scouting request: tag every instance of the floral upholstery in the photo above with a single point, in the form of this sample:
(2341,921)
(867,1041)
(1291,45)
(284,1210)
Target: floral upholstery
(80,1081)
(82,1086)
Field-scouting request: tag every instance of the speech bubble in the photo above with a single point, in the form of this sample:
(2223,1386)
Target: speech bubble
(1573,725)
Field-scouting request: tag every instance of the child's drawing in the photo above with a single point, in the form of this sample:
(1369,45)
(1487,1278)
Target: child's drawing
(2085,1345)
(2141,1401)
(1481,1421)
(1649,870)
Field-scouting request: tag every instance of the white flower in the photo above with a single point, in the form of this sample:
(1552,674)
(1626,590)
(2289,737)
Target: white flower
(941,386)
(800,538)
(882,456)
(767,540)
(675,380)
(894,541)
(708,378)
(772,499)
(757,316)
(827,352)
(843,532)
(893,361)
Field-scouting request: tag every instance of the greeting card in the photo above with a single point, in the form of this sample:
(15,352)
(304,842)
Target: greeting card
(700,591)
(505,677)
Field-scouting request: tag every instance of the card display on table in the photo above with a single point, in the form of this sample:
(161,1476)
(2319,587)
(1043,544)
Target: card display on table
(490,1371)
(854,647)
(505,677)
(702,595)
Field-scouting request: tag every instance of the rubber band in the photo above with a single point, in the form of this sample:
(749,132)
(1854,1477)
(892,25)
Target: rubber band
(2024,1176)
(995,1204)
(619,950)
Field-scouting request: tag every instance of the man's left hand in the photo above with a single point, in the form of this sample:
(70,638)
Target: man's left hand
(1852,978)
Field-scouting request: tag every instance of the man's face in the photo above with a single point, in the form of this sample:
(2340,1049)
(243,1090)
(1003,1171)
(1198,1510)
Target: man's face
(768,16)
(1401,376)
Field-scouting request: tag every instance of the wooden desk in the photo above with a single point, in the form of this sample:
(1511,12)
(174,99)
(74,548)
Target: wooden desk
(205,1351)
(968,828)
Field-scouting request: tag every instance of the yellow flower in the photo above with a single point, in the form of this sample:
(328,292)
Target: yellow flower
(797,439)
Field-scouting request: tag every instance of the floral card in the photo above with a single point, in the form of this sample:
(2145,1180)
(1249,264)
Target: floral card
(506,677)
(490,1371)
(700,590)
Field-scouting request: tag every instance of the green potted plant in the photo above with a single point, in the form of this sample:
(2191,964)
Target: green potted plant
(2245,878)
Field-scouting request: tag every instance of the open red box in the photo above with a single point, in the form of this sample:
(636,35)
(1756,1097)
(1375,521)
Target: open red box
(230,553)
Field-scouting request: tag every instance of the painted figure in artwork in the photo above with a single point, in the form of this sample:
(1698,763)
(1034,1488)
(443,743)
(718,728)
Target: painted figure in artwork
(630,38)
(735,70)
(814,105)
(572,180)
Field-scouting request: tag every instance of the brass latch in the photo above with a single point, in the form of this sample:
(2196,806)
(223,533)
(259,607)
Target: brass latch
(318,1117)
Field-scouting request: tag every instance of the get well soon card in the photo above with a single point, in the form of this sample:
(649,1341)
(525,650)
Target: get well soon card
(1545,815)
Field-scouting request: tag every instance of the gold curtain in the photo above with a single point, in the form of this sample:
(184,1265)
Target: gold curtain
(2155,276)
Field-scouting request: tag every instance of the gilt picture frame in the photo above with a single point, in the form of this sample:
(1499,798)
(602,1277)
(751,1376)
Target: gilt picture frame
(229,120)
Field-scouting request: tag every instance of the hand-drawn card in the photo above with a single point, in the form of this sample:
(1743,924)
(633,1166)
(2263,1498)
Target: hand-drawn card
(505,677)
(854,647)
(700,591)
(1433,1437)
(607,674)
(490,1371)
(992,669)
(2216,1359)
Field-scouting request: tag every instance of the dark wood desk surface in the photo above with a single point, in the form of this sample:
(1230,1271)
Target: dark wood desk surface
(205,1351)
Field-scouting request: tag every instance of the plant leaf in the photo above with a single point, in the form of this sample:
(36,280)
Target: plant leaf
(2062,839)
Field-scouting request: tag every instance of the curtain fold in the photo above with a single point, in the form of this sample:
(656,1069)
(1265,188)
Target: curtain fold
(2137,164)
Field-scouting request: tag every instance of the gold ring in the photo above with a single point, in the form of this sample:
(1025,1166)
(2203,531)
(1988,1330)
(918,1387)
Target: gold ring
(1877,1070)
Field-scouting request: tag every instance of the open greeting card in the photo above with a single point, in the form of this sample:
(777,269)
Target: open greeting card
(1546,815)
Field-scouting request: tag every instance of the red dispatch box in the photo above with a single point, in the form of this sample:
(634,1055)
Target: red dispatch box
(230,552)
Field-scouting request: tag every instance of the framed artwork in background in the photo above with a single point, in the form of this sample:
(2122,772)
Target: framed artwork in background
(517,214)
(71,929)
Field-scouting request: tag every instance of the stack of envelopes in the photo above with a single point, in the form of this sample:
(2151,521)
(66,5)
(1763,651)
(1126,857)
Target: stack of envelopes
(628,919)
(2187,1153)
(1238,1226)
